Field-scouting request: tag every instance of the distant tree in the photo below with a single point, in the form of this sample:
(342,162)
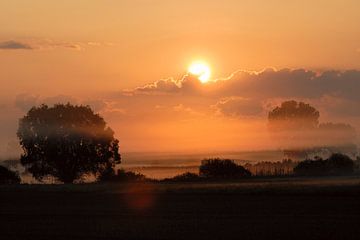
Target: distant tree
(336,164)
(292,125)
(283,168)
(8,177)
(311,167)
(295,126)
(292,115)
(222,169)
(67,142)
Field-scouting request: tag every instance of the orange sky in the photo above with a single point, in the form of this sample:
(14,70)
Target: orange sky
(90,51)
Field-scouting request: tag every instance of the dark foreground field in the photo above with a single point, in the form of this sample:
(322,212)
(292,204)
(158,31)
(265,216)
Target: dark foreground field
(256,209)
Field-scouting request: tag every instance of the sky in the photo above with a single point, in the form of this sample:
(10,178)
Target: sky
(128,60)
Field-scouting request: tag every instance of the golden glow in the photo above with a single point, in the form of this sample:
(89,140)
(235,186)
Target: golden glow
(201,70)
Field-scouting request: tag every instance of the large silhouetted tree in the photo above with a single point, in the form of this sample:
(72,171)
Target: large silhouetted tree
(66,142)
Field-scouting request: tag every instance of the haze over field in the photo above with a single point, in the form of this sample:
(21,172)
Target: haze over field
(131,64)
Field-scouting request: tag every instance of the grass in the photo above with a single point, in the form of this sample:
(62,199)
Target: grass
(282,208)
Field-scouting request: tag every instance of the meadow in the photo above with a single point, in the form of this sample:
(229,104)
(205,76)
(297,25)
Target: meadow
(276,208)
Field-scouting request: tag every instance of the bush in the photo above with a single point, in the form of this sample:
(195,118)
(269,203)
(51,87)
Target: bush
(185,177)
(340,164)
(336,164)
(121,176)
(8,177)
(222,169)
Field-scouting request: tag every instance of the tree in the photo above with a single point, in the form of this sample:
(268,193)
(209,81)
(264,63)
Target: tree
(66,142)
(292,115)
(8,177)
(292,124)
(295,126)
(339,164)
(222,169)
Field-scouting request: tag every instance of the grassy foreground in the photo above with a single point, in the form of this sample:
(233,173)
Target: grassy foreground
(304,208)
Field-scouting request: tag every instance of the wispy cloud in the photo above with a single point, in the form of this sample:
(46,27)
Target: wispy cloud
(50,44)
(14,45)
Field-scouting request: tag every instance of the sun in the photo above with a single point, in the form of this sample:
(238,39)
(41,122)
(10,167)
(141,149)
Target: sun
(201,70)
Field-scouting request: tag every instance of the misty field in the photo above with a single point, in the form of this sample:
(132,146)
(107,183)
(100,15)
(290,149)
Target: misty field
(283,208)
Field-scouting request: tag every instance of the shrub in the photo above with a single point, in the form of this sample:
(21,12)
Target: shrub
(121,176)
(336,164)
(185,177)
(222,169)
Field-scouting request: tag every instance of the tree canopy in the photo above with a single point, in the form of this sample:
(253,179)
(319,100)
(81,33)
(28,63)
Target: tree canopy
(336,164)
(292,115)
(66,142)
(295,127)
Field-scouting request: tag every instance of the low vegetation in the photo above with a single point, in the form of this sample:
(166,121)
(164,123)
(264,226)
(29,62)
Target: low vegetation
(8,177)
(222,169)
(122,176)
(336,164)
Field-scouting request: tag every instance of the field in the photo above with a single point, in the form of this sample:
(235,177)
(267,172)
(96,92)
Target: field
(303,208)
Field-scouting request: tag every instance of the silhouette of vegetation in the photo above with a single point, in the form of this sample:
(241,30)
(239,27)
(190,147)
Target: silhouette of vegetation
(222,169)
(185,177)
(357,165)
(8,177)
(283,168)
(293,115)
(122,176)
(336,164)
(295,125)
(291,123)
(66,142)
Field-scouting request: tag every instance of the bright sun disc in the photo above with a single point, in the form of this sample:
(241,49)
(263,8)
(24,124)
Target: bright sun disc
(201,70)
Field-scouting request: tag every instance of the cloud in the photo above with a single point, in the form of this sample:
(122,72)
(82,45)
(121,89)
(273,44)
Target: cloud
(97,105)
(14,45)
(269,83)
(340,106)
(239,107)
(166,86)
(26,101)
(50,44)
(247,92)
(189,85)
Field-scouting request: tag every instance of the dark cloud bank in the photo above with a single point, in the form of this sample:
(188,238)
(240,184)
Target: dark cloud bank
(246,93)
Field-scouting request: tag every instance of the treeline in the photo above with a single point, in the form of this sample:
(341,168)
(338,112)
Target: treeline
(225,169)
(266,168)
